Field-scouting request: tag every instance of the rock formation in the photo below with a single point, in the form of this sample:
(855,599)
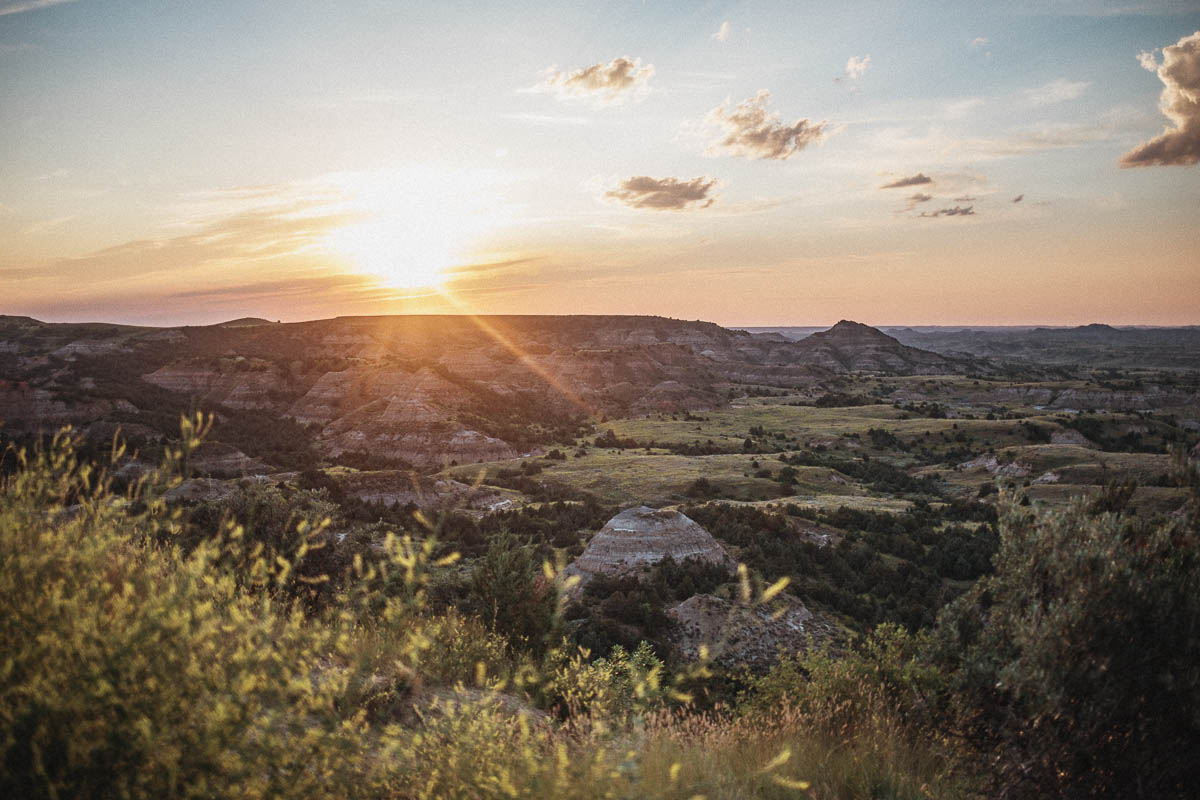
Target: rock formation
(738,635)
(641,537)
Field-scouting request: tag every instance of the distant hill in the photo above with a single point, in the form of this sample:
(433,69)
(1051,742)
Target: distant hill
(854,347)
(419,389)
(1095,345)
(244,322)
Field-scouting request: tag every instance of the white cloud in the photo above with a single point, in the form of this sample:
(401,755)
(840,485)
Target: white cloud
(664,194)
(1179,145)
(17,6)
(722,33)
(1147,60)
(750,130)
(979,41)
(1056,91)
(621,79)
(956,109)
(856,66)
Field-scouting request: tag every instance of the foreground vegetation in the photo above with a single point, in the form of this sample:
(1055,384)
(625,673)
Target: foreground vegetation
(147,654)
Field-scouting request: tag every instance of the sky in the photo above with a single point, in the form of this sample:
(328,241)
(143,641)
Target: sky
(747,163)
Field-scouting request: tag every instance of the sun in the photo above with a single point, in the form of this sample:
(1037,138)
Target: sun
(408,228)
(400,251)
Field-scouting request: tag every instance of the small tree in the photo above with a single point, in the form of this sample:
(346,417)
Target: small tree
(509,593)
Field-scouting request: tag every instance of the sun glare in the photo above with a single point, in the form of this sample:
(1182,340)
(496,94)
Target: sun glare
(410,227)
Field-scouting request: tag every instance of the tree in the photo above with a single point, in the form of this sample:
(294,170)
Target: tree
(508,592)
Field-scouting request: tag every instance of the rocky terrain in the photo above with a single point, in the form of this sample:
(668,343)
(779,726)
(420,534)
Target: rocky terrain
(1095,345)
(752,636)
(426,391)
(854,347)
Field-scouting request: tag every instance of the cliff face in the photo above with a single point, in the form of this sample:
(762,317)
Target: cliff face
(641,537)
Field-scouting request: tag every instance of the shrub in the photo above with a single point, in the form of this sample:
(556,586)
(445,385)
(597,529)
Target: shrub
(1078,661)
(509,593)
(133,670)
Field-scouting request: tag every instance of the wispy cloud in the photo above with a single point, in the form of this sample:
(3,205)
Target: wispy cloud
(1056,91)
(912,180)
(722,33)
(253,225)
(337,287)
(53,174)
(917,198)
(979,41)
(1179,144)
(46,225)
(948,147)
(617,81)
(750,130)
(856,67)
(953,211)
(956,109)
(664,194)
(17,6)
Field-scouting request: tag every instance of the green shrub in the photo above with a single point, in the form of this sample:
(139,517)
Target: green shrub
(509,592)
(1078,661)
(132,670)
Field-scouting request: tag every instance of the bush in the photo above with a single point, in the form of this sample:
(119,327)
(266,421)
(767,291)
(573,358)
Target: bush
(1078,661)
(509,593)
(133,670)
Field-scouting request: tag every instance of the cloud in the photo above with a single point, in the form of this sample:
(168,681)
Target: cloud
(954,211)
(1147,60)
(1055,91)
(960,108)
(722,33)
(856,66)
(912,180)
(621,79)
(232,230)
(1018,198)
(1180,102)
(915,199)
(750,130)
(966,198)
(981,42)
(337,287)
(664,194)
(17,6)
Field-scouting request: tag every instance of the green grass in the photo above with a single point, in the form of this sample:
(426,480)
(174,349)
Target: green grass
(833,428)
(632,477)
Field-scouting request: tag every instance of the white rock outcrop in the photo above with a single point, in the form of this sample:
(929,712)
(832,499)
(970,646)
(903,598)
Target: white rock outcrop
(641,537)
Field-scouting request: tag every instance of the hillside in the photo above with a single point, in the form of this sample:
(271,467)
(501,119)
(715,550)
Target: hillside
(414,389)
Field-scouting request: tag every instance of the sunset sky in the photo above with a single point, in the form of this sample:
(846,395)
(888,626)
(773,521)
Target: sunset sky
(751,163)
